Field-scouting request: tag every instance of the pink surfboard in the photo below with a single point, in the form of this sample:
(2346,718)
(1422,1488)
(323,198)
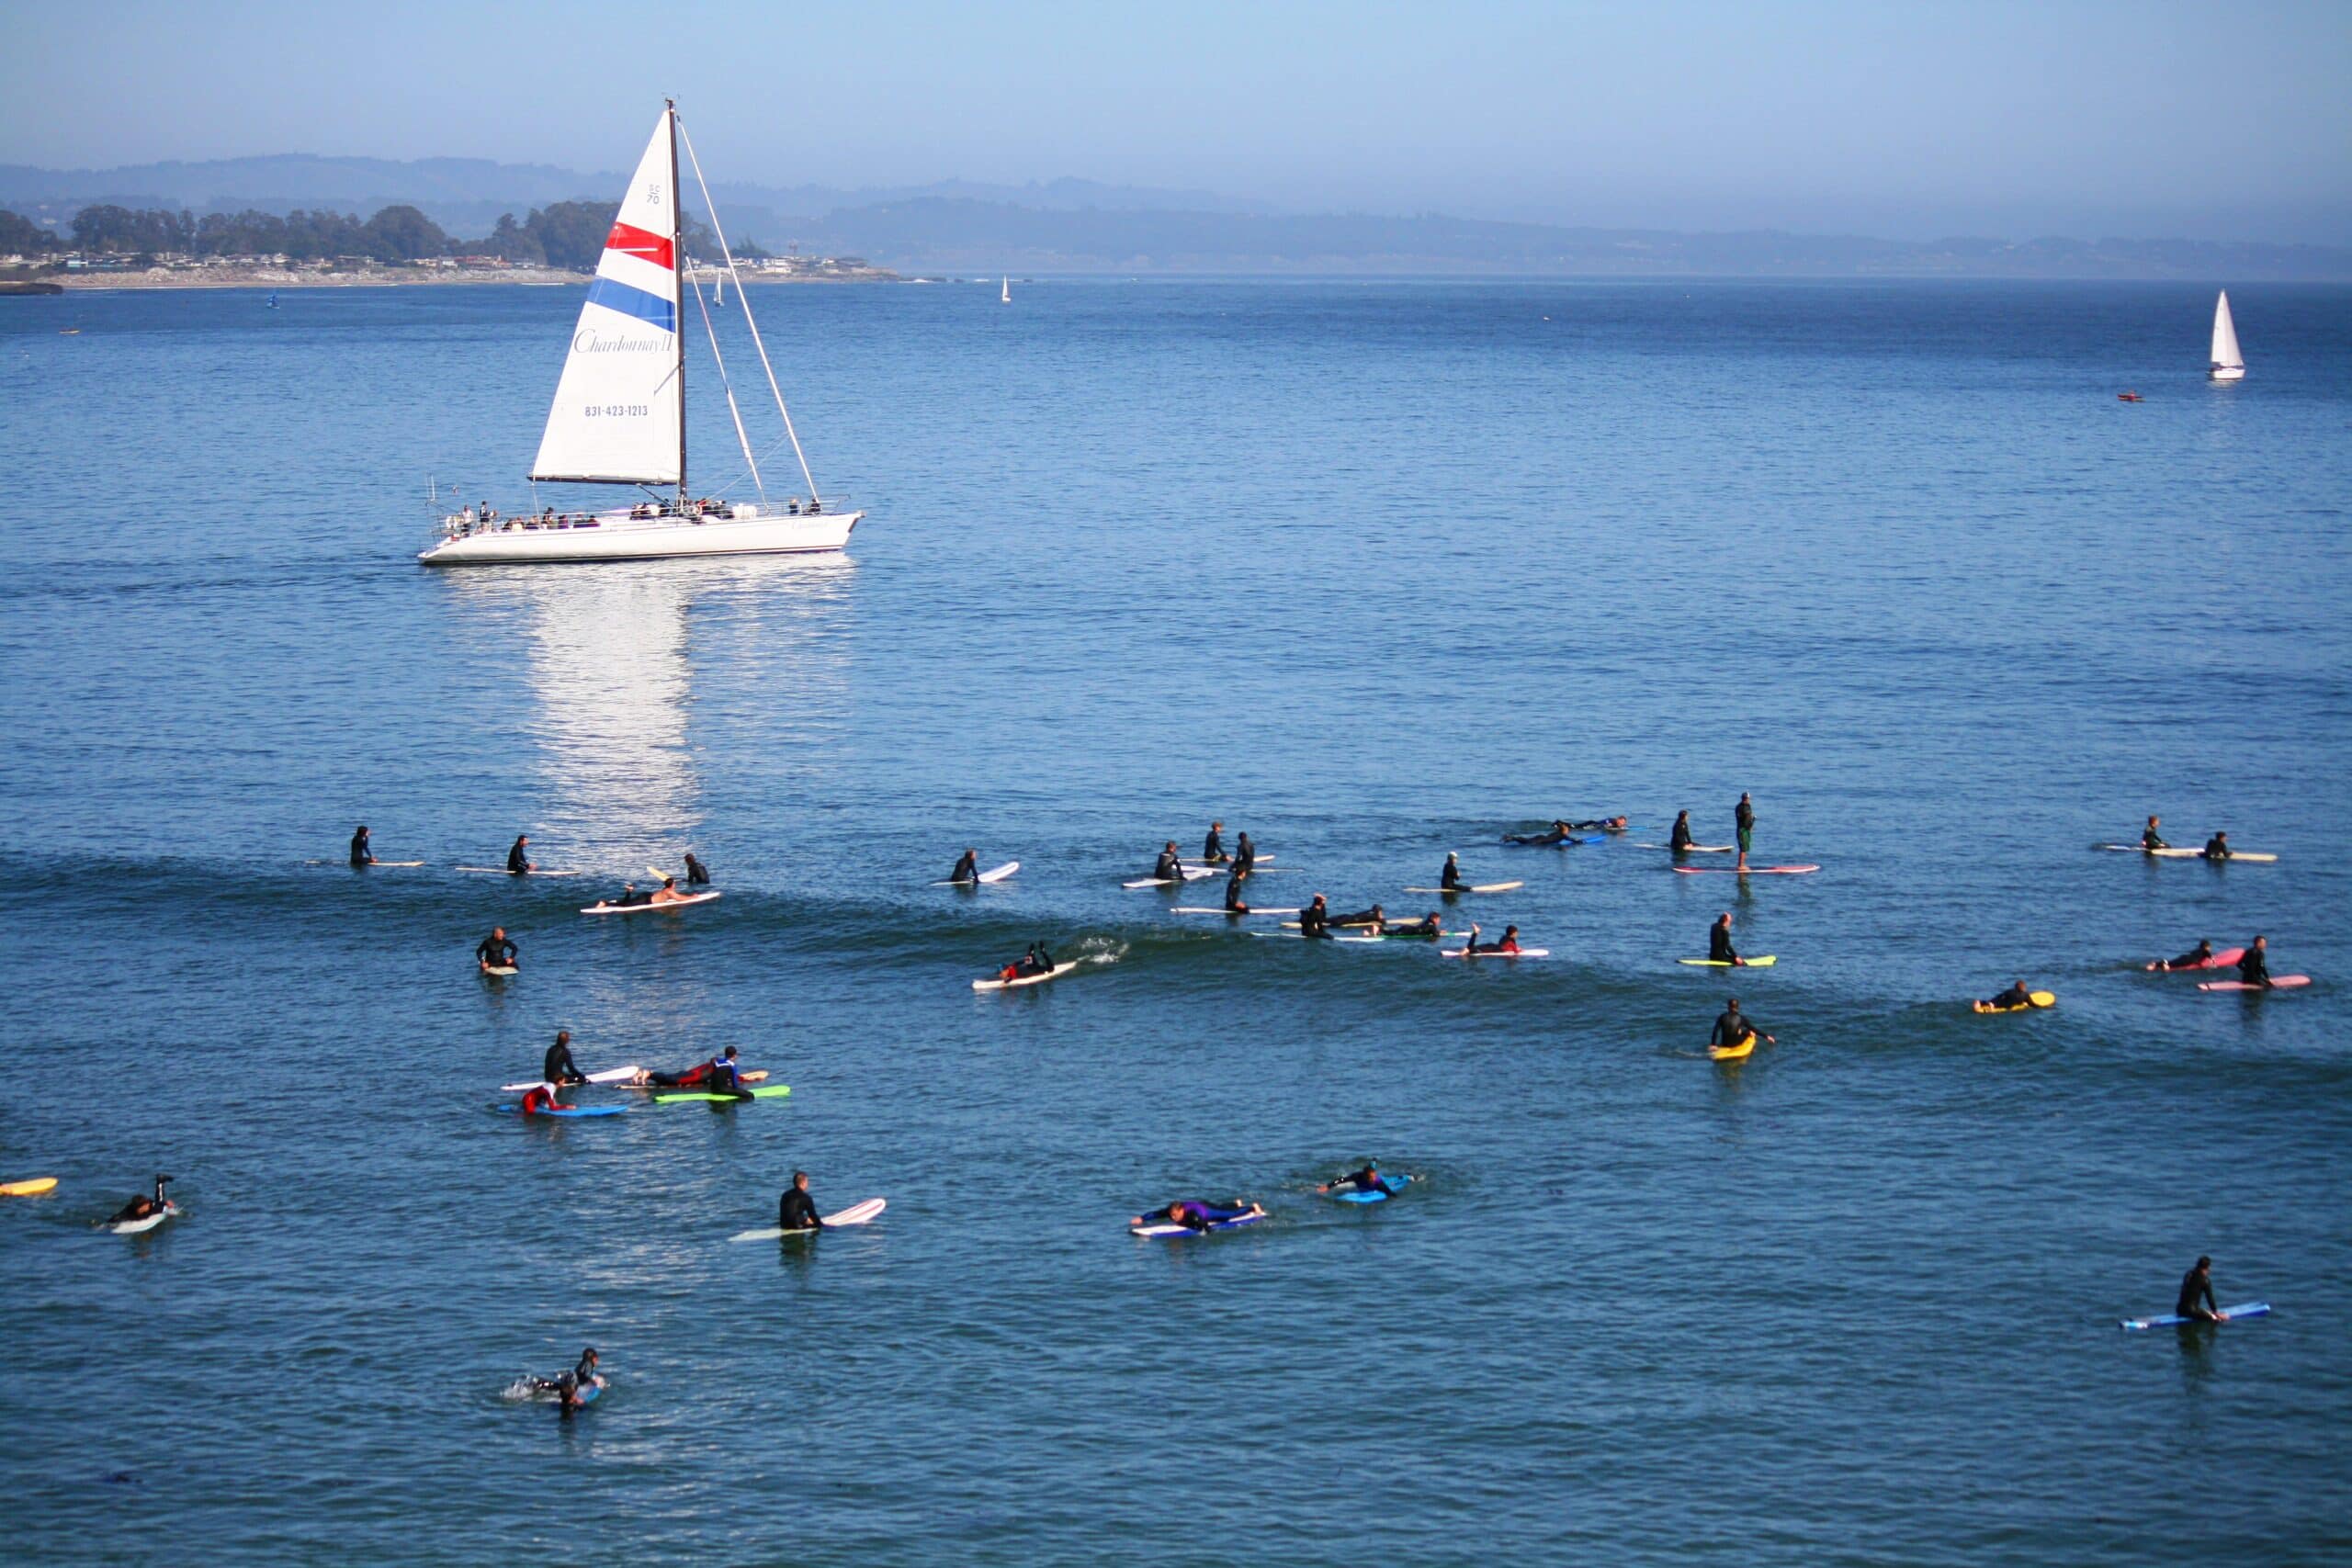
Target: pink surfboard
(2278,983)
(2225,959)
(1751,871)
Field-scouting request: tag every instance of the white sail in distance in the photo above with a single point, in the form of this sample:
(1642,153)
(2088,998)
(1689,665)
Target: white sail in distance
(2225,337)
(619,410)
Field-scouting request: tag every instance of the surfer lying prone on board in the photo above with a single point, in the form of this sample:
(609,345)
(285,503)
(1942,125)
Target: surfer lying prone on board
(1364,1181)
(143,1206)
(1510,942)
(1195,1216)
(567,1386)
(1427,925)
(1600,825)
(2016,997)
(2194,958)
(1037,961)
(720,1074)
(1376,917)
(1558,834)
(1732,1026)
(495,951)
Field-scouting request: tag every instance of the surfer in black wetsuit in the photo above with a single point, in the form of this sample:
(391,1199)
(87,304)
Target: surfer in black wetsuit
(1233,901)
(560,1069)
(1037,961)
(518,858)
(567,1386)
(362,852)
(724,1078)
(143,1207)
(1449,879)
(697,873)
(967,869)
(1719,947)
(1556,834)
(631,897)
(1732,1026)
(1364,1181)
(2197,1295)
(1426,926)
(1213,847)
(1600,825)
(1744,819)
(2193,958)
(1680,839)
(2150,839)
(2217,847)
(1315,920)
(1510,942)
(2016,997)
(1374,917)
(495,951)
(795,1210)
(1169,867)
(2255,967)
(1245,855)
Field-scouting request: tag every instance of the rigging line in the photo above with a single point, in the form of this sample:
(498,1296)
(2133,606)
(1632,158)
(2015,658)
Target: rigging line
(743,303)
(741,436)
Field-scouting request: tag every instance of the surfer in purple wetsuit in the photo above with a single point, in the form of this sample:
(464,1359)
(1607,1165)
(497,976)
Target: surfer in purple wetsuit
(2150,840)
(1195,1215)
(2197,1295)
(2254,969)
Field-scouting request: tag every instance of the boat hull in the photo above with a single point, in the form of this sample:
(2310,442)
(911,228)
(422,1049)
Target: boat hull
(626,538)
(2227,373)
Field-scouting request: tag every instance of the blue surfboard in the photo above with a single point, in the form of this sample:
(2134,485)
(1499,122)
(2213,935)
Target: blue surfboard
(1389,1185)
(567,1111)
(2173,1320)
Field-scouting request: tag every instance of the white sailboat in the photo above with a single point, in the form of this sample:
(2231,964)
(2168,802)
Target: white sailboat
(1005,298)
(2228,364)
(620,415)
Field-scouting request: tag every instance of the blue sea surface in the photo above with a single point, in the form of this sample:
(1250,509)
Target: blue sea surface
(1373,570)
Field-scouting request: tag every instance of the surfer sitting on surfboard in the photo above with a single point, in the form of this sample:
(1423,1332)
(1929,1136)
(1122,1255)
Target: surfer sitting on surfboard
(967,869)
(1195,1216)
(1732,1027)
(1213,847)
(697,873)
(143,1207)
(2217,847)
(1510,942)
(1719,947)
(2197,1295)
(1680,838)
(1364,1181)
(2254,969)
(2150,839)
(1245,855)
(1168,867)
(1315,920)
(518,858)
(1233,904)
(362,853)
(1558,834)
(1449,879)
(494,950)
(795,1210)
(560,1069)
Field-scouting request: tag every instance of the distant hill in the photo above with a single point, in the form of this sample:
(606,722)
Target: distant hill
(1073,225)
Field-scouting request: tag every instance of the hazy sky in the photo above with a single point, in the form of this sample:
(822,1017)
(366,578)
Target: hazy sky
(1897,116)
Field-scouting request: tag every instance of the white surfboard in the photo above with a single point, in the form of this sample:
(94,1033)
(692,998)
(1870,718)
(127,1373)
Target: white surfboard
(1482,888)
(501,970)
(611,1075)
(998,874)
(134,1227)
(501,870)
(1483,953)
(2184,852)
(1253,909)
(1302,936)
(855,1214)
(1693,849)
(682,902)
(1056,973)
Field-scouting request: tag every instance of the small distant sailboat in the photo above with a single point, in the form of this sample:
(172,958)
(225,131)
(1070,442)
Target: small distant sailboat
(1004,295)
(2228,364)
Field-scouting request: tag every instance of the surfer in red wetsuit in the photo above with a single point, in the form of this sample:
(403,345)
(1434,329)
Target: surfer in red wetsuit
(539,1099)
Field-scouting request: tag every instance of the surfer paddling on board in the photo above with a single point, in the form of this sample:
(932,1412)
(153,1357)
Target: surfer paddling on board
(967,869)
(518,858)
(1213,847)
(795,1210)
(2197,957)
(1600,825)
(1719,947)
(558,1067)
(2197,1295)
(1037,961)
(2016,997)
(1367,1179)
(1680,841)
(143,1207)
(2150,840)
(696,1076)
(1315,920)
(1375,919)
(362,853)
(1556,834)
(1732,1027)
(1426,926)
(495,951)
(1744,818)
(2217,847)
(2254,969)
(697,873)
(540,1099)
(1510,942)
(1195,1216)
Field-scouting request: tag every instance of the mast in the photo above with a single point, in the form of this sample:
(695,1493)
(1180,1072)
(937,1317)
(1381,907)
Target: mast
(678,270)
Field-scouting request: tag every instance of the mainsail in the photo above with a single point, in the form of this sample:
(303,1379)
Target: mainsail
(2225,336)
(619,412)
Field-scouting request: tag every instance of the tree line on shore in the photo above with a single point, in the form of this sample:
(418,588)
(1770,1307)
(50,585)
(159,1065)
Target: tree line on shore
(562,234)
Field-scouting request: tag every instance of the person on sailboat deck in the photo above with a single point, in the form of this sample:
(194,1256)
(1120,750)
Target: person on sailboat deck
(792,507)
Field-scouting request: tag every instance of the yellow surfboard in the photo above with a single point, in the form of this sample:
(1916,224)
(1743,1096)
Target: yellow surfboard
(32,1189)
(2038,999)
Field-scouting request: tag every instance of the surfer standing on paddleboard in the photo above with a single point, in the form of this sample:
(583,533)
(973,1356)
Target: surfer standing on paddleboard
(795,1210)
(518,858)
(1213,847)
(1744,818)
(2254,969)
(558,1067)
(967,869)
(1719,947)
(144,1207)
(495,951)
(1732,1026)
(1680,839)
(362,853)
(2197,1295)
(2150,840)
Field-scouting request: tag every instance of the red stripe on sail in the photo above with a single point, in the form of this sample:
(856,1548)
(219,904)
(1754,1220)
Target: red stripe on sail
(641,242)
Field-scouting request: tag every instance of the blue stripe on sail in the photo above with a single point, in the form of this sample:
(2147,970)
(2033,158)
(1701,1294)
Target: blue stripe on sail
(647,308)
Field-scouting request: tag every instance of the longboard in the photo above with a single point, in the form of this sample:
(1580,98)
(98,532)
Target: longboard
(2183,852)
(757,1075)
(998,874)
(2174,1320)
(1691,848)
(1191,873)
(610,1075)
(2034,999)
(697,1096)
(1482,888)
(1734,871)
(563,1111)
(32,1189)
(855,1214)
(1253,909)
(1764,962)
(1056,973)
(2227,958)
(2278,983)
(1490,952)
(387,865)
(1389,1186)
(501,870)
(1168,1230)
(678,903)
(135,1227)
(1302,936)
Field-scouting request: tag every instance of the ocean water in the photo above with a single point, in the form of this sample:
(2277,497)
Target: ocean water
(1372,570)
